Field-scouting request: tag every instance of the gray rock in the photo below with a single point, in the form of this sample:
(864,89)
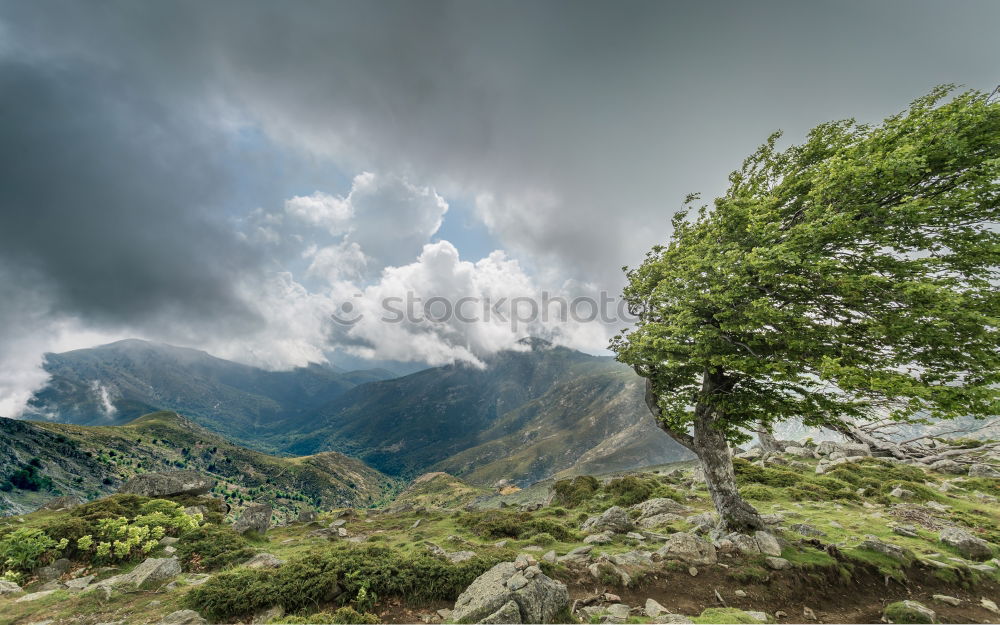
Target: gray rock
(615,519)
(599,570)
(745,545)
(688,549)
(777,564)
(900,554)
(678,619)
(460,556)
(61,503)
(905,530)
(307,515)
(949,466)
(983,470)
(489,599)
(54,570)
(616,613)
(164,483)
(901,493)
(80,583)
(825,448)
(661,505)
(969,546)
(806,530)
(654,609)
(9,588)
(580,554)
(852,450)
(34,596)
(659,520)
(602,538)
(151,570)
(550,556)
(803,452)
(183,617)
(632,558)
(256,518)
(767,543)
(760,617)
(947,599)
(263,561)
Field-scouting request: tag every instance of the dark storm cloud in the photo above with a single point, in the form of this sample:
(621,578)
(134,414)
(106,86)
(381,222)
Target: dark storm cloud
(577,125)
(110,198)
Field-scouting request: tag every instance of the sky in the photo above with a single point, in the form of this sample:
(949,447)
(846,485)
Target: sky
(257,179)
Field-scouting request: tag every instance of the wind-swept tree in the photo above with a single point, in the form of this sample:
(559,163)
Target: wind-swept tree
(849,278)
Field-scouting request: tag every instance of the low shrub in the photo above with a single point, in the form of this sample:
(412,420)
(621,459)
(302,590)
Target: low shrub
(630,490)
(25,549)
(759,492)
(212,547)
(340,615)
(573,492)
(314,580)
(748,473)
(498,524)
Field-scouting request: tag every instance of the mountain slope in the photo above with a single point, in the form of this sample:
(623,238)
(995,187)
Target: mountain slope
(525,416)
(90,461)
(113,384)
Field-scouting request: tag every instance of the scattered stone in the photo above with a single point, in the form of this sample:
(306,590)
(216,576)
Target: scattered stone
(263,561)
(54,570)
(489,599)
(599,570)
(599,539)
(550,556)
(460,556)
(632,558)
(166,483)
(183,617)
(937,507)
(660,505)
(806,530)
(855,449)
(946,599)
(416,524)
(692,571)
(678,619)
(615,519)
(835,525)
(745,545)
(659,520)
(799,451)
(338,523)
(307,515)
(777,564)
(256,518)
(760,617)
(908,612)
(949,466)
(742,594)
(688,549)
(809,614)
(153,570)
(968,545)
(166,541)
(635,536)
(580,554)
(9,588)
(989,605)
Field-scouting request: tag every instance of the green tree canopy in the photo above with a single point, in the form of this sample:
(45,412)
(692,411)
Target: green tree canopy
(852,276)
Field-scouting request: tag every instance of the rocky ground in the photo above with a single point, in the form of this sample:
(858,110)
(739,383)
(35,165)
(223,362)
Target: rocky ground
(851,538)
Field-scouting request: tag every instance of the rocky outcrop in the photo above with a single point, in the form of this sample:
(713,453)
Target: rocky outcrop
(900,554)
(61,503)
(969,546)
(9,588)
(166,483)
(512,592)
(256,518)
(615,519)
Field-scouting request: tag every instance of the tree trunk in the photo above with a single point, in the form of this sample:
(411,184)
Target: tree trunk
(767,440)
(712,449)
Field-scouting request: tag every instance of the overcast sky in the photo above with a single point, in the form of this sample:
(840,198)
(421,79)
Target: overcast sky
(226,175)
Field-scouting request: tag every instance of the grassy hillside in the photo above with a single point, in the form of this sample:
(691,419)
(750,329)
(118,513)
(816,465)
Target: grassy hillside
(91,460)
(851,547)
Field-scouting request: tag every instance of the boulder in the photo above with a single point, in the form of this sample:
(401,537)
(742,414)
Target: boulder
(460,556)
(855,449)
(806,530)
(901,493)
(615,519)
(674,619)
(153,570)
(745,545)
(825,448)
(777,564)
(654,609)
(953,601)
(659,520)
(307,515)
(969,546)
(256,518)
(492,598)
(803,452)
(660,505)
(983,470)
(183,617)
(9,588)
(689,549)
(263,561)
(165,483)
(61,503)
(80,583)
(767,543)
(54,570)
(601,538)
(602,570)
(34,596)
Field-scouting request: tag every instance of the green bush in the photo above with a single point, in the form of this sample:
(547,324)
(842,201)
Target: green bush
(573,492)
(749,473)
(24,549)
(630,490)
(899,612)
(312,581)
(759,492)
(212,547)
(498,523)
(543,539)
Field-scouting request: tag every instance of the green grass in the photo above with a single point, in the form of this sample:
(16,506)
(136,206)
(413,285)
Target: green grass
(724,615)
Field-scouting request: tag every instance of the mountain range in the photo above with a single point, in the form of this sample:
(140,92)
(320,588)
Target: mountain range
(526,414)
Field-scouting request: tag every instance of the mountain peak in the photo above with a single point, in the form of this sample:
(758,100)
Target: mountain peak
(535,343)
